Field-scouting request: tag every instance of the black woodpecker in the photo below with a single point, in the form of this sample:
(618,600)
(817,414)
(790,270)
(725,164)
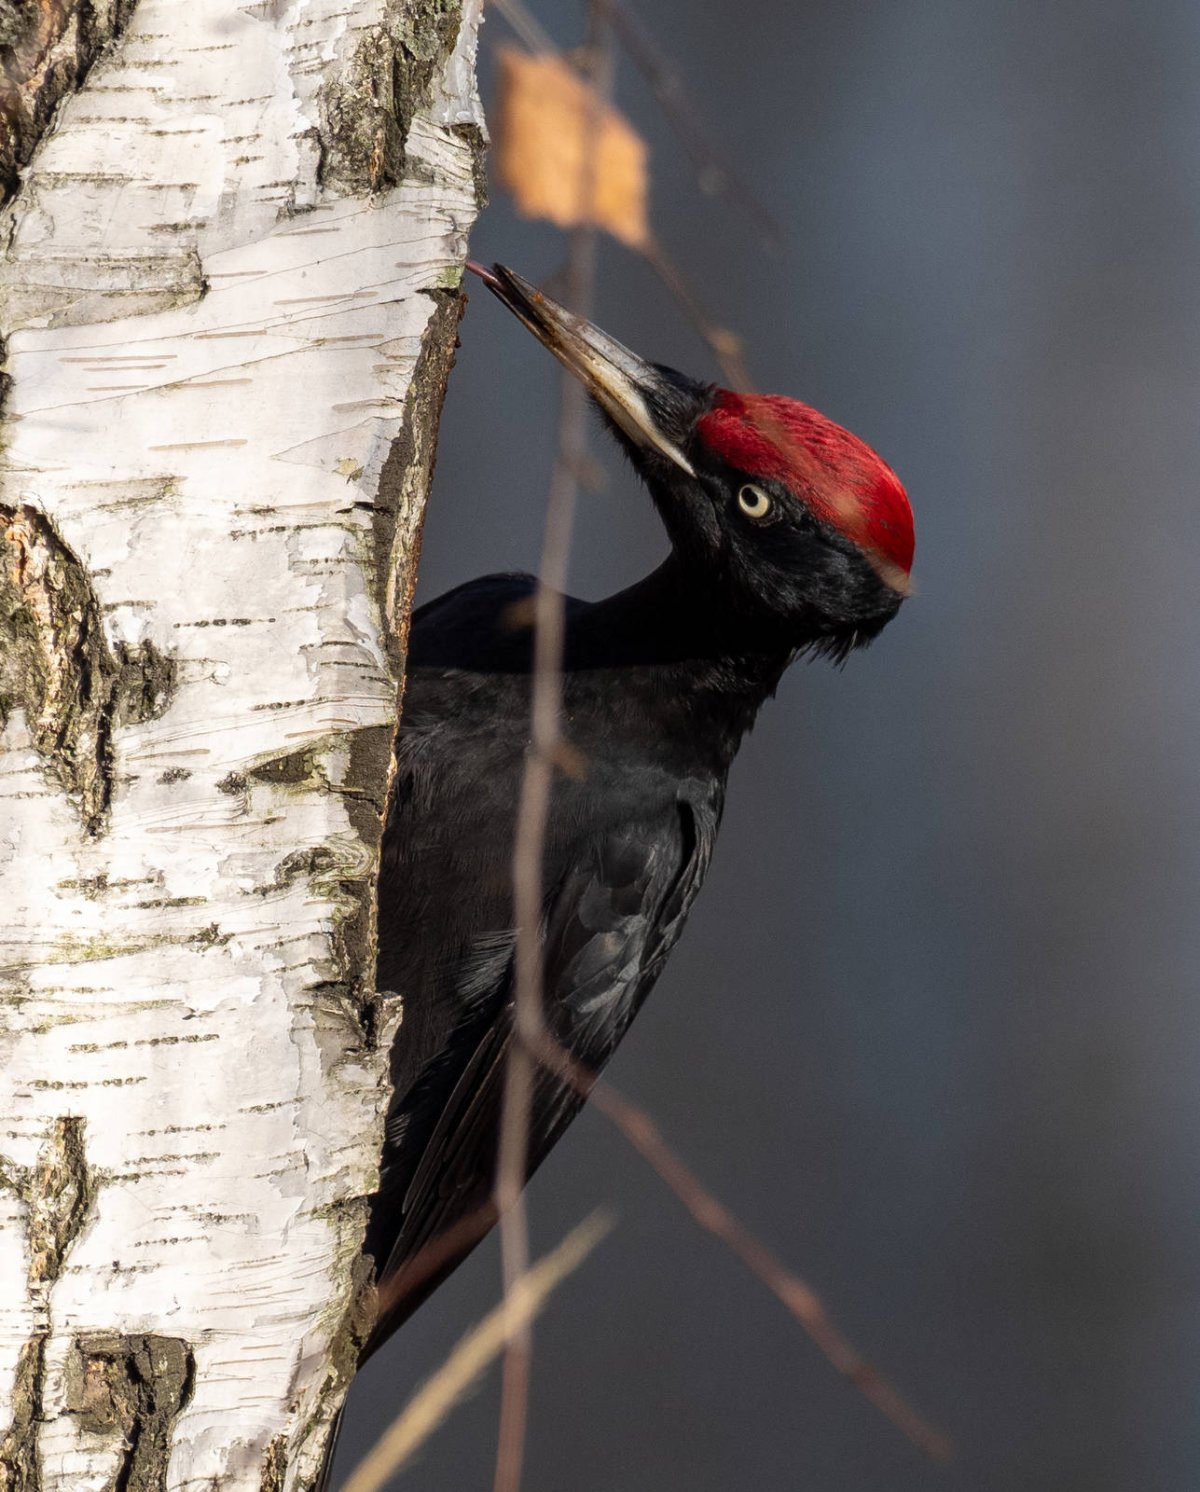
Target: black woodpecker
(788,536)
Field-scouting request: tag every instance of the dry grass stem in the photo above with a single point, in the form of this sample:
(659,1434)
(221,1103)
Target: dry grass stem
(534,805)
(573,194)
(427,1261)
(725,345)
(438,1395)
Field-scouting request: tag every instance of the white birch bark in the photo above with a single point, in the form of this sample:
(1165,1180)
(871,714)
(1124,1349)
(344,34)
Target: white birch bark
(229,298)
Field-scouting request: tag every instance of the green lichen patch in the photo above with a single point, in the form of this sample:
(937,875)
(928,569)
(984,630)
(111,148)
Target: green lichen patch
(72,948)
(366,111)
(98,887)
(211,936)
(56,663)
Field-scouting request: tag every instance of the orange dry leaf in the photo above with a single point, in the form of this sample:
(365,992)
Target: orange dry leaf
(557,147)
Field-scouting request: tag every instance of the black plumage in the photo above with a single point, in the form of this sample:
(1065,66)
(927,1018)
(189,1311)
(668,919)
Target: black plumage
(660,684)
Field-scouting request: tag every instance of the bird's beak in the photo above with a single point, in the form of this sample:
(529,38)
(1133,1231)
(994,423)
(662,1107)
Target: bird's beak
(622,385)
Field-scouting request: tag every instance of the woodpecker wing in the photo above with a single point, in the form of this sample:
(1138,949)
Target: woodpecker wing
(610,924)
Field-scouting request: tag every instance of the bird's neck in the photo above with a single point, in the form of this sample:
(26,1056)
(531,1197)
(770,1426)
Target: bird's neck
(675,635)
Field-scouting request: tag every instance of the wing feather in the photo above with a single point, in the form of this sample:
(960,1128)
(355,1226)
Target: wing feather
(609,926)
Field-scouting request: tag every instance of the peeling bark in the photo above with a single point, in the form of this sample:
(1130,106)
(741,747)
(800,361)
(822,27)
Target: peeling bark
(229,300)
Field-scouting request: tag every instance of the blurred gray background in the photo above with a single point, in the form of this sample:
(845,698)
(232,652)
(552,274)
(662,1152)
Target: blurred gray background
(933,1029)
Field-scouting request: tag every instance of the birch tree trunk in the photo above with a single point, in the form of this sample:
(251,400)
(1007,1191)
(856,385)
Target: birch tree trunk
(229,297)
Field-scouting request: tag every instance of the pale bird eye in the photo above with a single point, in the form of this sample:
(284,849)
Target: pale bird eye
(753,501)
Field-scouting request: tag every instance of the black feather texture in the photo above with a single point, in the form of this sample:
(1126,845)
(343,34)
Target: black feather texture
(660,684)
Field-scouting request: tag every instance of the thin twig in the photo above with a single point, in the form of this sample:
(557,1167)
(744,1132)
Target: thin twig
(528,854)
(533,1038)
(438,1395)
(534,805)
(725,346)
(716,173)
(714,1217)
(527,26)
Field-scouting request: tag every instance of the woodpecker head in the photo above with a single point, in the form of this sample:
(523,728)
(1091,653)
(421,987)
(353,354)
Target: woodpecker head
(801,533)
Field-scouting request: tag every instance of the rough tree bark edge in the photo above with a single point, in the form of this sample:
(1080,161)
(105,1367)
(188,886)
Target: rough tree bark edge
(107,1364)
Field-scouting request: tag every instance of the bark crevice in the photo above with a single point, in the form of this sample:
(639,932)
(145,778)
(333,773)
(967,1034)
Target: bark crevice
(47,48)
(274,1466)
(135,1385)
(408,473)
(59,1196)
(57,1193)
(367,112)
(57,666)
(20,1464)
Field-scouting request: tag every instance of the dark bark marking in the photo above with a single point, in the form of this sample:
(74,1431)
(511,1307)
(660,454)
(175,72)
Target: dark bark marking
(367,111)
(46,50)
(408,473)
(20,1464)
(59,1195)
(274,1466)
(137,1385)
(477,143)
(56,662)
